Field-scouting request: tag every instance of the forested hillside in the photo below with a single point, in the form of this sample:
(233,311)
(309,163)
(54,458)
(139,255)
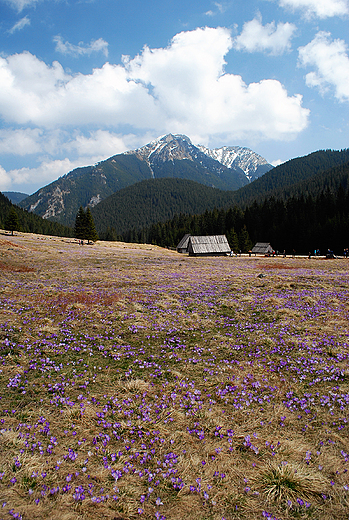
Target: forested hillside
(155,200)
(291,178)
(31,223)
(319,219)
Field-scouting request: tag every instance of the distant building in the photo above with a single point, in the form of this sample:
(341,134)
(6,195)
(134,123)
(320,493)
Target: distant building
(263,248)
(215,245)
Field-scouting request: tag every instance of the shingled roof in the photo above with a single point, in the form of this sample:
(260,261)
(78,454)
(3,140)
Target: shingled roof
(262,248)
(208,245)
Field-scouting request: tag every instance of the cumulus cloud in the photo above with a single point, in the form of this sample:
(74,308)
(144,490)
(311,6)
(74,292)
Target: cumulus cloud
(19,5)
(67,48)
(268,38)
(96,144)
(331,62)
(35,93)
(319,8)
(192,88)
(99,144)
(20,142)
(20,25)
(181,88)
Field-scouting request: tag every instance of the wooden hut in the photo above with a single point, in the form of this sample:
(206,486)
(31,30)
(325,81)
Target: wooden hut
(262,248)
(215,245)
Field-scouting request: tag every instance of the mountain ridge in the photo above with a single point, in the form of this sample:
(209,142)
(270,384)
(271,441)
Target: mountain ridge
(171,156)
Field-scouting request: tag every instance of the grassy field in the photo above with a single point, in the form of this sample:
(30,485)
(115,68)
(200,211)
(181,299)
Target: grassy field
(139,383)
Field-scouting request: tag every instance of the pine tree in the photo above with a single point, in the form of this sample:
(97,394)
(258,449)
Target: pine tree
(91,233)
(12,221)
(80,224)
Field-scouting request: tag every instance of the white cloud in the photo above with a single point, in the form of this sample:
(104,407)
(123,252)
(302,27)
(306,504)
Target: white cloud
(20,142)
(99,144)
(47,172)
(221,8)
(5,180)
(181,88)
(20,25)
(331,61)
(270,38)
(197,96)
(277,162)
(33,92)
(67,48)
(96,144)
(19,5)
(319,8)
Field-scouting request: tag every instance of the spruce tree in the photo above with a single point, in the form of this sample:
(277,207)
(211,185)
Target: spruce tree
(12,221)
(91,233)
(80,224)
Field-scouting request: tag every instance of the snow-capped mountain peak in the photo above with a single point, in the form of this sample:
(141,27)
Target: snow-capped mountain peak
(173,147)
(252,164)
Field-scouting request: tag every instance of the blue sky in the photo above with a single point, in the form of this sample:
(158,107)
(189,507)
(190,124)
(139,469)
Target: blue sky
(81,81)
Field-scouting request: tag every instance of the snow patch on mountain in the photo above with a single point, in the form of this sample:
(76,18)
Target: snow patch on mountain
(239,157)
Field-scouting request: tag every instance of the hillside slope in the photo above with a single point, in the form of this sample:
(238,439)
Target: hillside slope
(15,196)
(156,200)
(286,180)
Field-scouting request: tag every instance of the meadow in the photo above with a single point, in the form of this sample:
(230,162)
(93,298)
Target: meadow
(137,383)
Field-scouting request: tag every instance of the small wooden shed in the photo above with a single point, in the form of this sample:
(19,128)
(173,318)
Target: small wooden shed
(262,248)
(214,245)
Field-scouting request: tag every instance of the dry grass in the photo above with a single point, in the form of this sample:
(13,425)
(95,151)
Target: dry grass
(287,483)
(138,383)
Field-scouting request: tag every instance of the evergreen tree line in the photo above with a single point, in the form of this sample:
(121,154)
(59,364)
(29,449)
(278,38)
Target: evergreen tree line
(301,223)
